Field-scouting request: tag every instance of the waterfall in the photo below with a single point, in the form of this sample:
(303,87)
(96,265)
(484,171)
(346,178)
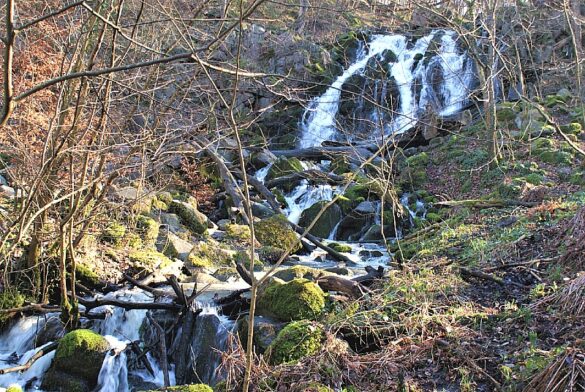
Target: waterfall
(438,77)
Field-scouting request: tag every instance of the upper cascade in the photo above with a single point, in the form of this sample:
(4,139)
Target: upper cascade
(392,83)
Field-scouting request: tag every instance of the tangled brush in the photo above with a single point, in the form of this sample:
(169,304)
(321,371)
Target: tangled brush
(565,374)
(570,301)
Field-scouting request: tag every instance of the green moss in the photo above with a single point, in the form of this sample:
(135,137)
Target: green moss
(433,217)
(133,241)
(243,258)
(238,232)
(10,298)
(296,341)
(193,219)
(299,271)
(340,247)
(114,233)
(149,258)
(355,192)
(577,178)
(326,223)
(78,360)
(534,178)
(560,157)
(148,228)
(284,166)
(14,388)
(197,261)
(340,165)
(275,231)
(295,300)
(87,276)
(574,128)
(419,160)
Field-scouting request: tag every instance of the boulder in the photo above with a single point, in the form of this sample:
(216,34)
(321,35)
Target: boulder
(173,223)
(357,222)
(78,360)
(326,222)
(176,247)
(282,167)
(299,271)
(261,211)
(296,341)
(294,300)
(190,216)
(374,233)
(265,331)
(275,231)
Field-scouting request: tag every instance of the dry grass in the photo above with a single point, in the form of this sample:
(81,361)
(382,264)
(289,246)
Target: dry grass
(570,301)
(565,374)
(574,257)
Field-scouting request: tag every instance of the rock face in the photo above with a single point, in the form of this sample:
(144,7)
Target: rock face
(77,362)
(326,222)
(296,300)
(296,341)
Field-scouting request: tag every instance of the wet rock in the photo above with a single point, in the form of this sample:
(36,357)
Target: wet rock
(299,271)
(78,360)
(3,181)
(374,233)
(326,222)
(275,231)
(52,330)
(265,331)
(339,271)
(226,274)
(261,211)
(354,225)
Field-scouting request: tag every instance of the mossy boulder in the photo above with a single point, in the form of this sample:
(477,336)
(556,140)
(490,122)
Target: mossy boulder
(209,254)
(275,231)
(557,157)
(149,259)
(14,388)
(243,258)
(10,298)
(294,300)
(78,360)
(326,222)
(296,341)
(190,216)
(148,229)
(344,248)
(238,232)
(87,276)
(114,233)
(357,192)
(299,271)
(574,128)
(282,167)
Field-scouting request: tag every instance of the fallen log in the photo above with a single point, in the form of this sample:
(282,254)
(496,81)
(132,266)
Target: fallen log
(39,308)
(20,368)
(349,287)
(314,176)
(163,349)
(96,302)
(153,291)
(372,275)
(492,278)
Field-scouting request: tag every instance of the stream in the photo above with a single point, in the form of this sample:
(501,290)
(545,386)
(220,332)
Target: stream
(440,79)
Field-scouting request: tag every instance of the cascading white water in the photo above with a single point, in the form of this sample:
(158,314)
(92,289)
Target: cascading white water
(456,74)
(304,196)
(17,347)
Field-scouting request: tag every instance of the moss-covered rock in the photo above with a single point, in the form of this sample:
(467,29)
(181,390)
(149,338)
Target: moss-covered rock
(295,300)
(326,222)
(238,232)
(190,216)
(275,231)
(296,341)
(209,254)
(78,360)
(114,233)
(148,259)
(14,388)
(357,192)
(299,271)
(148,229)
(10,298)
(340,247)
(243,258)
(559,157)
(282,167)
(574,128)
(86,275)
(265,331)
